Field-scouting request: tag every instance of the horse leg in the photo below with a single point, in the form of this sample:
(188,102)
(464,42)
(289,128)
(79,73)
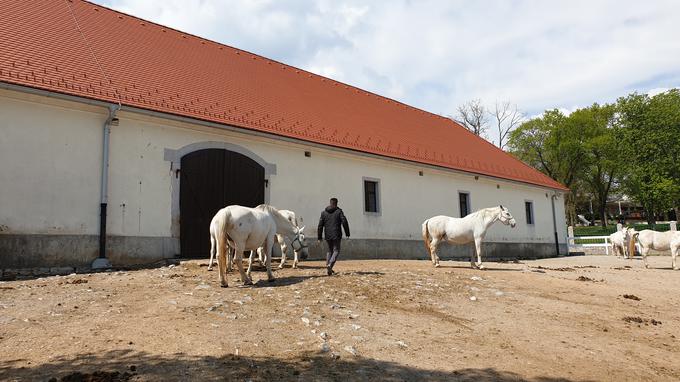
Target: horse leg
(251,258)
(478,249)
(434,248)
(212,252)
(222,261)
(284,249)
(238,258)
(269,243)
(295,259)
(645,252)
(230,259)
(674,254)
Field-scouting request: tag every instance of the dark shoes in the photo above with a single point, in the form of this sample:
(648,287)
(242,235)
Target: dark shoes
(329,271)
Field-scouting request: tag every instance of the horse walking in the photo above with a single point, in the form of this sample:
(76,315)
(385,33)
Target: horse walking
(463,230)
(659,241)
(298,244)
(238,229)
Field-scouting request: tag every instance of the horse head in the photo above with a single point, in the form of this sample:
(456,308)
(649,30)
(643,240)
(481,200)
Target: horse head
(506,217)
(299,243)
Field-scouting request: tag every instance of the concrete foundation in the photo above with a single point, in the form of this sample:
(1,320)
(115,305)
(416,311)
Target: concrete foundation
(33,251)
(78,251)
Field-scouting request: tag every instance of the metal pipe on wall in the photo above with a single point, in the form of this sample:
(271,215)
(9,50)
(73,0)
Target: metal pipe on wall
(101,261)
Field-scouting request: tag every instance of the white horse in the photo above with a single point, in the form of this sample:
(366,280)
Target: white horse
(618,241)
(237,229)
(298,244)
(463,230)
(659,241)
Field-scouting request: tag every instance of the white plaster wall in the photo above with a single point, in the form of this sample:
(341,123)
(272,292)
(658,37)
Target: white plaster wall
(140,185)
(49,166)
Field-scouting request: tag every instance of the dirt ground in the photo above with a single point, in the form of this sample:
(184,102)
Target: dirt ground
(566,319)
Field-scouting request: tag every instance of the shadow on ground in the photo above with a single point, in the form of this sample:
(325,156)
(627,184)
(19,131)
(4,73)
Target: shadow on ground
(139,366)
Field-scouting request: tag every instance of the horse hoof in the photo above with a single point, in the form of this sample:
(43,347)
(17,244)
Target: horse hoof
(437,265)
(224,285)
(210,269)
(281,267)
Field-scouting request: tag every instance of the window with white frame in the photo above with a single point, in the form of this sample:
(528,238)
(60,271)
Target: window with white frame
(529,211)
(371,196)
(464,203)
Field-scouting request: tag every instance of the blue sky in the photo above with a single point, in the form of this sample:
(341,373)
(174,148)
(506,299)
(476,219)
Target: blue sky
(438,54)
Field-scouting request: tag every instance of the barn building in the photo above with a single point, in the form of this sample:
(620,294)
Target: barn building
(121,138)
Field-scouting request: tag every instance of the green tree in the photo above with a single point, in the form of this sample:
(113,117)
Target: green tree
(650,141)
(601,164)
(555,147)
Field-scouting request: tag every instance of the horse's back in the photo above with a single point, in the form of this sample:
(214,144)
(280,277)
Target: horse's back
(656,240)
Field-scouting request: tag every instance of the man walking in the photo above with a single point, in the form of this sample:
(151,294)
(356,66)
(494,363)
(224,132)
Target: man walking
(331,221)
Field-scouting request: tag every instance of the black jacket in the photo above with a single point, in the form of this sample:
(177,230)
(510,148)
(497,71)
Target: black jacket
(331,220)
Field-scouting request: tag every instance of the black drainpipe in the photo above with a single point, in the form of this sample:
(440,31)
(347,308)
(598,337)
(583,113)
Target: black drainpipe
(102,262)
(557,242)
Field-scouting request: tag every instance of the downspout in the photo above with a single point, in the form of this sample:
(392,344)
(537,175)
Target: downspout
(557,242)
(102,262)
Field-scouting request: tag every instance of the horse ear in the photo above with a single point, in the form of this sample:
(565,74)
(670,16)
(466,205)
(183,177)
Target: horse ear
(501,206)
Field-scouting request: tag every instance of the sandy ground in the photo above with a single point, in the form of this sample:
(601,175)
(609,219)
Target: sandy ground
(547,320)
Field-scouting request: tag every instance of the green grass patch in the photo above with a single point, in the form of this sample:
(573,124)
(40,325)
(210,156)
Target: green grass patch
(606,231)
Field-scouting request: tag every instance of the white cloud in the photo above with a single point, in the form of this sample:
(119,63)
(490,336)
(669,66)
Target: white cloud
(438,54)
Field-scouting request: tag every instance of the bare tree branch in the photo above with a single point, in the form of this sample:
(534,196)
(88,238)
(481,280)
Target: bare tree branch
(507,118)
(472,115)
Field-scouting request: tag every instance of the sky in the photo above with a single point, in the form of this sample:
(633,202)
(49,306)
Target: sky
(436,55)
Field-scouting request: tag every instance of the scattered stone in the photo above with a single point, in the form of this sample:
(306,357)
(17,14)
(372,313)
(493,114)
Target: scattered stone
(203,286)
(402,344)
(172,302)
(171,266)
(476,278)
(77,281)
(473,298)
(335,355)
(498,293)
(323,335)
(356,327)
(631,297)
(351,350)
(584,278)
(305,320)
(325,347)
(640,320)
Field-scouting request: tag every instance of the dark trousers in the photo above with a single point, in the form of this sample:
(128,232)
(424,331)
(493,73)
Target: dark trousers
(333,252)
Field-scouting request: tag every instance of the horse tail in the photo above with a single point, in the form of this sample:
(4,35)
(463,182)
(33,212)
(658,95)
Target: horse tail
(426,236)
(631,244)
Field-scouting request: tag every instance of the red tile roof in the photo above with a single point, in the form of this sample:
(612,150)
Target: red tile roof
(82,49)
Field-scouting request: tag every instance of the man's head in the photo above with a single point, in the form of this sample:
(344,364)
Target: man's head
(334,202)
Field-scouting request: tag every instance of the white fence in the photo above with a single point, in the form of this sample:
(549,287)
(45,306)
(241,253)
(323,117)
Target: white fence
(576,243)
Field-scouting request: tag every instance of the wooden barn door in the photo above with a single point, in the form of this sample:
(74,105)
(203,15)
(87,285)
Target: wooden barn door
(210,180)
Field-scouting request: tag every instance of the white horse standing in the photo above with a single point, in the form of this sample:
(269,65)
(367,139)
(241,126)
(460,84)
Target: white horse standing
(237,229)
(618,241)
(659,241)
(298,244)
(463,230)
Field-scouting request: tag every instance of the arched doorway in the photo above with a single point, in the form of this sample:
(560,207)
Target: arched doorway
(211,179)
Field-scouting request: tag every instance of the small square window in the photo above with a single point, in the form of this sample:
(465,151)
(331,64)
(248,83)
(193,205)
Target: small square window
(371,196)
(529,210)
(464,203)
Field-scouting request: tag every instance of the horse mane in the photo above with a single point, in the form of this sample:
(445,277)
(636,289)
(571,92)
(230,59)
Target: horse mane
(267,207)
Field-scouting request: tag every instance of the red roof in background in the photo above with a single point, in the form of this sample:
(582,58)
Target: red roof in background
(153,67)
